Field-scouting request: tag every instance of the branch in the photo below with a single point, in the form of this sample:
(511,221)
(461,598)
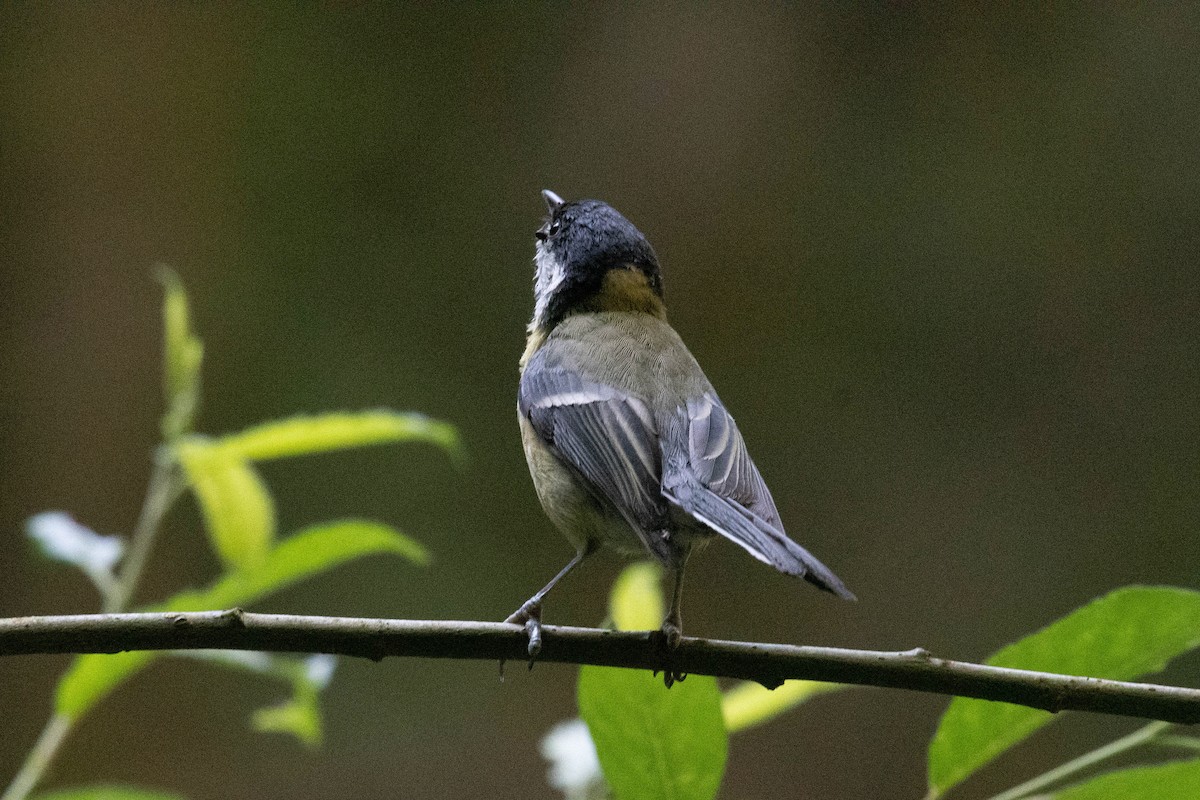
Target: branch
(768,664)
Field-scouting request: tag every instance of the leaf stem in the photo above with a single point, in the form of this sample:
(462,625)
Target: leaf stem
(39,758)
(1186,742)
(164,489)
(1063,771)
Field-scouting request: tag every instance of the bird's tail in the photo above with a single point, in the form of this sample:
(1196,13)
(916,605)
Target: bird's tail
(758,537)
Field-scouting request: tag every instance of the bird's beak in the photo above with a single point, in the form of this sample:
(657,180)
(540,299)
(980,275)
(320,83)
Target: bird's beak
(553,201)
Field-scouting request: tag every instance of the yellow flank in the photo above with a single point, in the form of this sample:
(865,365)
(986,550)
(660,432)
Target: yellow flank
(537,338)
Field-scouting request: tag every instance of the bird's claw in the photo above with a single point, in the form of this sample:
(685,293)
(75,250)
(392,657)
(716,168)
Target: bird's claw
(530,615)
(672,633)
(533,627)
(671,677)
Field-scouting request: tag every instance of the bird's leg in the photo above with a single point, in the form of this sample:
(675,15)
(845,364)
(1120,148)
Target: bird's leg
(530,612)
(672,627)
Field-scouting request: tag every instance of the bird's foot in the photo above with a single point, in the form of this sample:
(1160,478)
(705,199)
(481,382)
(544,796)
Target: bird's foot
(672,634)
(530,615)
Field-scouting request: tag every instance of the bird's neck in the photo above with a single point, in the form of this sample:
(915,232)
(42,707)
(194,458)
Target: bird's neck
(622,289)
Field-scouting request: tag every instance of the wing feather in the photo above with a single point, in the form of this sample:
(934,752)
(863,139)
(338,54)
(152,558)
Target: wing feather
(719,485)
(608,437)
(640,463)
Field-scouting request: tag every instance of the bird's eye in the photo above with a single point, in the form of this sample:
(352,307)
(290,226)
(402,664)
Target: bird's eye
(554,226)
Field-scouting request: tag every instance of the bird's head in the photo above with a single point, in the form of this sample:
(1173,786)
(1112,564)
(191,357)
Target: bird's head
(590,258)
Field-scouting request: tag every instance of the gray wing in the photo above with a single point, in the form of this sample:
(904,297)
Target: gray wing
(608,437)
(709,475)
(718,457)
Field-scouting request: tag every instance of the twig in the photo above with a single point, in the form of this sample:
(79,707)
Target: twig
(768,664)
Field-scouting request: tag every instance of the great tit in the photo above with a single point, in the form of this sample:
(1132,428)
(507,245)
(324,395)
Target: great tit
(628,444)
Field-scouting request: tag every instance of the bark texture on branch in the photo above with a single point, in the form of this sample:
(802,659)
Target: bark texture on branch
(768,664)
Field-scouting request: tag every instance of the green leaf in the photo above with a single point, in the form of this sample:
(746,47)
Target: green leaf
(337,431)
(1179,779)
(655,743)
(239,513)
(1127,633)
(749,704)
(107,793)
(91,678)
(636,601)
(299,716)
(307,553)
(183,354)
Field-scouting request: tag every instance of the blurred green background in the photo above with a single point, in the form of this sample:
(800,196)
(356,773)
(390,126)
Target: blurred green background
(941,263)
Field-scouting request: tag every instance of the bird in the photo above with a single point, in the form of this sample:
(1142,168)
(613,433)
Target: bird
(628,445)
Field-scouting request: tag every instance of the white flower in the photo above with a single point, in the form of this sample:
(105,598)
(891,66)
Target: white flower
(574,767)
(319,669)
(64,539)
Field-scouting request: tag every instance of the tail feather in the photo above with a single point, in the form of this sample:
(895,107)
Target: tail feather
(758,537)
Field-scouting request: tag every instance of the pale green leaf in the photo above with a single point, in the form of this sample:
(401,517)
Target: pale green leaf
(336,431)
(655,743)
(749,704)
(90,678)
(299,716)
(1127,633)
(1175,781)
(183,354)
(636,601)
(307,553)
(239,513)
(107,793)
